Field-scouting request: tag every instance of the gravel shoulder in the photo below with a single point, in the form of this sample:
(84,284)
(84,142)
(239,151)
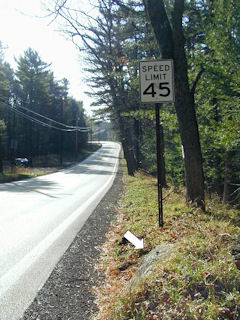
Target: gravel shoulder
(67,293)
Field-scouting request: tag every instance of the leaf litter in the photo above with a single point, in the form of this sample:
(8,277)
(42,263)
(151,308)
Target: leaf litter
(200,281)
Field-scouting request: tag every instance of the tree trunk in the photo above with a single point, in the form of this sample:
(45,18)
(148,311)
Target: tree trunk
(184,106)
(128,149)
(128,152)
(171,43)
(228,177)
(137,142)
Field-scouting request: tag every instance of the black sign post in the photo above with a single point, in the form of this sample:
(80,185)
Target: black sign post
(159,161)
(157,86)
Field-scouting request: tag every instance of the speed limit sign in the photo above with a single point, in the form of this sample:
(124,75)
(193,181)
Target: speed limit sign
(156,81)
(157,86)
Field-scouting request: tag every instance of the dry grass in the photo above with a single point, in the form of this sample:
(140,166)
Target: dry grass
(21,173)
(201,279)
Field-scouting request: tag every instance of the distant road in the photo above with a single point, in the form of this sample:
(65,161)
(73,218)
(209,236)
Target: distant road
(39,219)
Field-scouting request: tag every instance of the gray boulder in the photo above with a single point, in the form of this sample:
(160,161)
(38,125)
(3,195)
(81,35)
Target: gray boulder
(160,253)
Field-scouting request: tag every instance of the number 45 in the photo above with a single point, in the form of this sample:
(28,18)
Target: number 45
(162,86)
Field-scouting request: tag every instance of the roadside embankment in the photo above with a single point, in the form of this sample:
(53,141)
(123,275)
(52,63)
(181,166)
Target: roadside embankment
(198,278)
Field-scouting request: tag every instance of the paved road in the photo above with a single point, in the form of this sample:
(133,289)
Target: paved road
(39,219)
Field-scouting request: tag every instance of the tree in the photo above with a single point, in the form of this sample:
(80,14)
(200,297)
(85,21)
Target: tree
(38,113)
(202,38)
(100,39)
(33,78)
(218,106)
(4,93)
(171,41)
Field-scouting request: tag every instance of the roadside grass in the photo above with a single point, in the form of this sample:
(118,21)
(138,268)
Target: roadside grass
(200,280)
(44,165)
(20,173)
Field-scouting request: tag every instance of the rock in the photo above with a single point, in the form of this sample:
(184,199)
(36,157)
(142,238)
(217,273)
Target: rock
(160,253)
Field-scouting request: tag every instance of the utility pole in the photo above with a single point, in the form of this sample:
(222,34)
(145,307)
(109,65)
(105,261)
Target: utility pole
(13,142)
(76,137)
(61,135)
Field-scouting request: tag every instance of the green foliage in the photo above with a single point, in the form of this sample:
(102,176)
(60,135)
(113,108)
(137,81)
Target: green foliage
(199,280)
(2,126)
(29,93)
(121,35)
(4,86)
(217,94)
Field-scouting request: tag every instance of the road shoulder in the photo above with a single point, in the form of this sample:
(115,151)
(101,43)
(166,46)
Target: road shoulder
(67,293)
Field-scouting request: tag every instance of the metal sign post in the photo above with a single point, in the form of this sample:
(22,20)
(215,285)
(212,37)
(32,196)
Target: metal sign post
(159,173)
(157,86)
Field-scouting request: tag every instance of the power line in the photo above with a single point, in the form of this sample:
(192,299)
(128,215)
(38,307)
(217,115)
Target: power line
(28,117)
(49,119)
(25,116)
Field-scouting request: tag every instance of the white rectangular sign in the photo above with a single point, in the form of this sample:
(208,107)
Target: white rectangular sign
(156,81)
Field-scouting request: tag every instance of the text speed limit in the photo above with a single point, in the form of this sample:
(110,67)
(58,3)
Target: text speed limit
(156,81)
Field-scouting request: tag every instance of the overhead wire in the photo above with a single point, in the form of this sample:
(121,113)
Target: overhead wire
(23,115)
(20,113)
(28,117)
(49,119)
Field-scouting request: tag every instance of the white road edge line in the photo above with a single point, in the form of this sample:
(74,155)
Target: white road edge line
(19,269)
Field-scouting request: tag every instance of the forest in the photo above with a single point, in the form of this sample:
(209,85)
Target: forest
(38,119)
(202,38)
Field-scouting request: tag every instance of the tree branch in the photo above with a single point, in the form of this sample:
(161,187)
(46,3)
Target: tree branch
(198,77)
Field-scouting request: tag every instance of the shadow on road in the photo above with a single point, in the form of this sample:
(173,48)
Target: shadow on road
(29,185)
(50,183)
(54,182)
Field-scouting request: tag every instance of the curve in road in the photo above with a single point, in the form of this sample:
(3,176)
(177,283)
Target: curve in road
(39,220)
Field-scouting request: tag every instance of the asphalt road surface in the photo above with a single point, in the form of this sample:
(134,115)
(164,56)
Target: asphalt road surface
(39,219)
